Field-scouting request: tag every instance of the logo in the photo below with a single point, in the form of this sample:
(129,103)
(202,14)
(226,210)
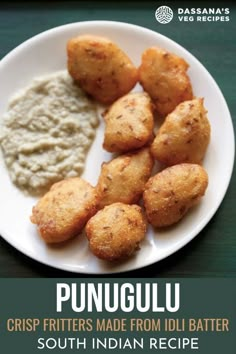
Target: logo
(164,14)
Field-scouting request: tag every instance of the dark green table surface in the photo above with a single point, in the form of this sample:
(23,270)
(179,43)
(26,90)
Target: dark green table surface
(213,252)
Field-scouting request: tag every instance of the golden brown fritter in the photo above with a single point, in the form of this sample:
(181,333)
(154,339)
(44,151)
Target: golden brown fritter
(116,231)
(123,178)
(63,211)
(163,76)
(100,67)
(129,123)
(171,193)
(184,135)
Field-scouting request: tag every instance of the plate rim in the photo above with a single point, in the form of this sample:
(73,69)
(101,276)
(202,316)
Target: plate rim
(204,220)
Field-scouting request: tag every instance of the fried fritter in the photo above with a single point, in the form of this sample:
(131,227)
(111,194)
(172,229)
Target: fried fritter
(163,76)
(100,67)
(123,178)
(129,123)
(184,135)
(171,193)
(115,232)
(63,211)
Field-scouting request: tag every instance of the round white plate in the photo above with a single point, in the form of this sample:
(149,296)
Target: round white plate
(45,53)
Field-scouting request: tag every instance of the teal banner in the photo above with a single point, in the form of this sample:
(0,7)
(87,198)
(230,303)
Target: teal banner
(146,315)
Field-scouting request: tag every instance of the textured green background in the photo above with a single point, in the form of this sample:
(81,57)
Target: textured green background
(213,252)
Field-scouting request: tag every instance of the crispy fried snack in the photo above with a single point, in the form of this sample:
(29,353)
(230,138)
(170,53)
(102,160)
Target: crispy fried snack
(184,135)
(123,178)
(163,76)
(63,211)
(115,232)
(129,123)
(100,67)
(171,193)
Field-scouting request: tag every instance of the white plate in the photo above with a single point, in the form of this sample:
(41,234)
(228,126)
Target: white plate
(45,53)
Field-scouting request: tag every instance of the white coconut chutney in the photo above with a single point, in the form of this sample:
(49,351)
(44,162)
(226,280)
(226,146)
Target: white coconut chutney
(47,131)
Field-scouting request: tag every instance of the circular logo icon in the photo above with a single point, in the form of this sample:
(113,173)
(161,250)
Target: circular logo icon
(164,14)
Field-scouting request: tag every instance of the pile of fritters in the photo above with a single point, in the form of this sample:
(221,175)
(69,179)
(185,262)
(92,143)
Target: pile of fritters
(115,224)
